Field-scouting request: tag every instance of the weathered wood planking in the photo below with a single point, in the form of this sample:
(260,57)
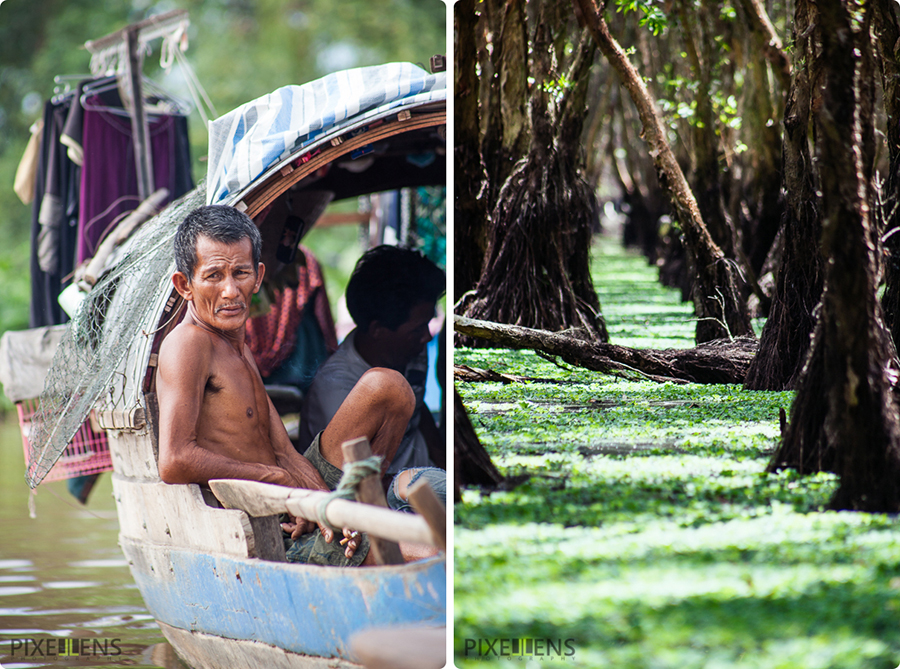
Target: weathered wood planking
(204,651)
(132,454)
(308,610)
(177,515)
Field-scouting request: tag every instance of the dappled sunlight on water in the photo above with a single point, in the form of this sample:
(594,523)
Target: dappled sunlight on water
(65,586)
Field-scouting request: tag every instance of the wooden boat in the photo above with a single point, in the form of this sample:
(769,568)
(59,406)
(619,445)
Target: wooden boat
(215,578)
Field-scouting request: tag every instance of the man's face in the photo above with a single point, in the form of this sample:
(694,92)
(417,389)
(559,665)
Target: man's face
(410,338)
(224,281)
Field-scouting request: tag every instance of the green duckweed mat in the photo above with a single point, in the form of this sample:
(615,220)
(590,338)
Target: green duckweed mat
(648,534)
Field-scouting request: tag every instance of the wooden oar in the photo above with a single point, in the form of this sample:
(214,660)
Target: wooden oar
(266,499)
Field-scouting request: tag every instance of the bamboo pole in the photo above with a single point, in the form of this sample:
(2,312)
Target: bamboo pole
(266,499)
(140,130)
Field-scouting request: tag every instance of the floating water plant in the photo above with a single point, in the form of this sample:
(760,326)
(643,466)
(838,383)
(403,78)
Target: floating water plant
(647,533)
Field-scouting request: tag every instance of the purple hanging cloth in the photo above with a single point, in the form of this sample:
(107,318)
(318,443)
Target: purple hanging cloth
(109,187)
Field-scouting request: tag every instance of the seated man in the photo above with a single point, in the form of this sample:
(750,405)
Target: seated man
(216,420)
(391,295)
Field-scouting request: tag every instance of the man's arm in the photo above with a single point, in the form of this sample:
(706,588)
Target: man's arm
(184,363)
(307,476)
(287,457)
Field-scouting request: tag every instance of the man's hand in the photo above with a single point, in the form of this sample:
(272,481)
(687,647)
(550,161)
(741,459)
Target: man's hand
(351,538)
(280,476)
(300,526)
(297,526)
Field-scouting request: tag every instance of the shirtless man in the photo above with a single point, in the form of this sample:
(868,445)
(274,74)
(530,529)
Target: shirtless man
(216,420)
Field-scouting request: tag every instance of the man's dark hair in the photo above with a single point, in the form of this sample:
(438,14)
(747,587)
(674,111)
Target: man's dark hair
(218,223)
(388,282)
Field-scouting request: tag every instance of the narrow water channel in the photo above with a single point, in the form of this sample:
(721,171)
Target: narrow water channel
(66,595)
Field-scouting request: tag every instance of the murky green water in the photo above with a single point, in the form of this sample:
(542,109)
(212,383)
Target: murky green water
(66,595)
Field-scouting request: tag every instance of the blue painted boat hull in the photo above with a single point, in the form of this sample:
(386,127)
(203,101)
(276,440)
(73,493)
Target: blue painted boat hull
(302,609)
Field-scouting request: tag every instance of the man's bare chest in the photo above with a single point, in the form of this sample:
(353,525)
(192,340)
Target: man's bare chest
(234,391)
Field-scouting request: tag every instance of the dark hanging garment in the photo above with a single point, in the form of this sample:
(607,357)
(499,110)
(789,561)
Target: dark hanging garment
(72,132)
(54,220)
(109,176)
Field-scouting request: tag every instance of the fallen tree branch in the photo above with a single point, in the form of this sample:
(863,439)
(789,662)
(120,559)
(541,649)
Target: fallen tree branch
(477,375)
(718,361)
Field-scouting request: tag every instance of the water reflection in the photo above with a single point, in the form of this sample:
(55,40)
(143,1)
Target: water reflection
(7,592)
(66,595)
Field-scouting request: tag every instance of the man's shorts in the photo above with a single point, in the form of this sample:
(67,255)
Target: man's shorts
(437,479)
(311,548)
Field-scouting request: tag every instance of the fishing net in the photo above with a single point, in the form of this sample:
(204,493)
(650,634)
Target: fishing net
(89,360)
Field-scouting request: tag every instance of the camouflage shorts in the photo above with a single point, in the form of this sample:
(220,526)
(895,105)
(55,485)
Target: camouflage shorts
(311,548)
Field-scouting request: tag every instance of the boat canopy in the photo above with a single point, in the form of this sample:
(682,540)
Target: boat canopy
(244,143)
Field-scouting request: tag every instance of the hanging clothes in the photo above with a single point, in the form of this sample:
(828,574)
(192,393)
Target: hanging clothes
(83,182)
(72,132)
(86,181)
(109,187)
(26,172)
(297,334)
(54,219)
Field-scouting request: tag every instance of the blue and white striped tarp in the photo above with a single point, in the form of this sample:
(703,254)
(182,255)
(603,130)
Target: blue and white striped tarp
(247,141)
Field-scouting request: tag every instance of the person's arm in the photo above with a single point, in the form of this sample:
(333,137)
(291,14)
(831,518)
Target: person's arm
(305,475)
(184,363)
(287,457)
